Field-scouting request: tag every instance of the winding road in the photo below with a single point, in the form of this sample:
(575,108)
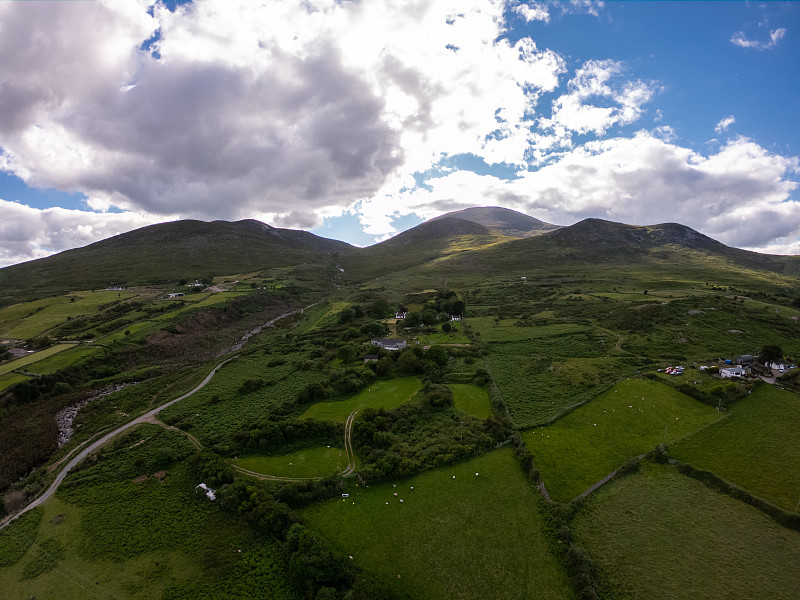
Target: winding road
(149,416)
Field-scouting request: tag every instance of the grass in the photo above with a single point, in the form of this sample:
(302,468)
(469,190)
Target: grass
(60,360)
(382,394)
(219,409)
(308,462)
(468,537)
(658,534)
(504,330)
(630,419)
(9,379)
(31,319)
(33,358)
(471,399)
(146,539)
(757,447)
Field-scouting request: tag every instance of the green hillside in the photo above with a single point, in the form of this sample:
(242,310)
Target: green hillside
(168,252)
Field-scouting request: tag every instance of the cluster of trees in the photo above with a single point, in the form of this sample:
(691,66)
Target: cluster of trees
(319,571)
(286,433)
(421,435)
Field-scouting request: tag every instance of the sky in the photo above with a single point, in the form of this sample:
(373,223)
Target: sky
(359,119)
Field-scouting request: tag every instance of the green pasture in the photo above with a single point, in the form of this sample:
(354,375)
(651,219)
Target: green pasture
(381,394)
(505,331)
(439,337)
(61,360)
(31,319)
(25,361)
(321,316)
(9,379)
(630,419)
(658,534)
(757,447)
(220,408)
(146,326)
(455,535)
(471,399)
(308,462)
(106,535)
(537,389)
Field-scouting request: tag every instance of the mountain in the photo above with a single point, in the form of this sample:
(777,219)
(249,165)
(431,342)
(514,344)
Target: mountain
(502,220)
(166,252)
(428,241)
(599,249)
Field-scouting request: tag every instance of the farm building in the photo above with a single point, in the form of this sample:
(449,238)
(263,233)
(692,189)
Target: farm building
(745,360)
(175,295)
(370,358)
(732,372)
(390,344)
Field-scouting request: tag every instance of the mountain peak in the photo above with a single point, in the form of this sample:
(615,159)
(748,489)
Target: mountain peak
(502,220)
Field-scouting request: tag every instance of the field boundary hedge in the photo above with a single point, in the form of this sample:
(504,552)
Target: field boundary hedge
(715,482)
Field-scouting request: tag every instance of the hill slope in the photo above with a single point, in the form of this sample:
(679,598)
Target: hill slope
(166,252)
(502,220)
(599,249)
(422,244)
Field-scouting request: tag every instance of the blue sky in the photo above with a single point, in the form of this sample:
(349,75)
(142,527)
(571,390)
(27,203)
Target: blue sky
(359,120)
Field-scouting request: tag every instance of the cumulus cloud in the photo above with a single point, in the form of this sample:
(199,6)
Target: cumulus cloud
(740,195)
(281,109)
(723,125)
(294,111)
(29,233)
(776,35)
(533,11)
(619,101)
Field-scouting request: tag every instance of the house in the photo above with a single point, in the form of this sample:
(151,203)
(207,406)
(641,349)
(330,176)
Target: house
(401,315)
(455,317)
(732,372)
(371,358)
(745,360)
(19,352)
(175,295)
(389,344)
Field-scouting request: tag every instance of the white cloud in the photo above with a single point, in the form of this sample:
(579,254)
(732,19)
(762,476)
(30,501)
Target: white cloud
(29,233)
(741,195)
(533,11)
(283,108)
(776,35)
(620,101)
(724,124)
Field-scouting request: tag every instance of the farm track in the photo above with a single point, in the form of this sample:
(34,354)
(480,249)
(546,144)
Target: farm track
(149,416)
(348,443)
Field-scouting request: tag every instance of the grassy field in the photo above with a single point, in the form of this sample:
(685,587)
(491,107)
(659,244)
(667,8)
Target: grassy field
(757,447)
(25,361)
(658,534)
(597,438)
(115,536)
(381,394)
(471,399)
(30,319)
(9,379)
(504,330)
(60,360)
(308,462)
(221,408)
(464,537)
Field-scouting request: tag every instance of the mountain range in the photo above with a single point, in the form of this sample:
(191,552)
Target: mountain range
(483,239)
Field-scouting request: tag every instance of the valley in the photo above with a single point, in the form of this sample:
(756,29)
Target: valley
(526,440)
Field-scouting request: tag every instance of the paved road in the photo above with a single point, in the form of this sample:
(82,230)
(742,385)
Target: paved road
(94,446)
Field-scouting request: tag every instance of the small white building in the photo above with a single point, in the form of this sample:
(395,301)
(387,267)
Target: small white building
(390,343)
(175,295)
(736,371)
(400,315)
